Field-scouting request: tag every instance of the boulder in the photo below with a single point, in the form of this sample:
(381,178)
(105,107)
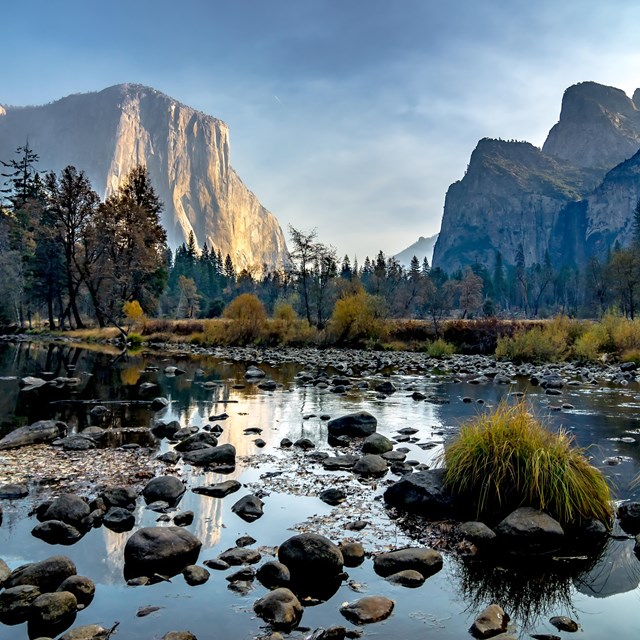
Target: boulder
(56,532)
(370,464)
(166,488)
(386,387)
(254,372)
(222,455)
(368,609)
(5,572)
(311,557)
(36,433)
(273,574)
(280,608)
(564,623)
(15,603)
(75,443)
(492,621)
(340,463)
(240,555)
(179,635)
(629,515)
(425,561)
(160,549)
(422,492)
(197,441)
(157,404)
(68,508)
(183,519)
(219,490)
(195,575)
(47,574)
(119,519)
(352,553)
(332,496)
(51,609)
(355,425)
(377,443)
(165,429)
(81,587)
(249,508)
(13,491)
(527,529)
(124,497)
(477,532)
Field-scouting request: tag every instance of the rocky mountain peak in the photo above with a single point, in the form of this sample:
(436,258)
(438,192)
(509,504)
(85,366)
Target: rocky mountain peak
(599,126)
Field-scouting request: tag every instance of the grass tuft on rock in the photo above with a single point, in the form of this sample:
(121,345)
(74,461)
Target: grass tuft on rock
(505,459)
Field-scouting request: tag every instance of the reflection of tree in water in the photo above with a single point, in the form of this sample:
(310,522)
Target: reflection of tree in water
(527,591)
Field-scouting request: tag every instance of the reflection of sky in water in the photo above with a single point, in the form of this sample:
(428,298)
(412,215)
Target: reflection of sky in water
(604,599)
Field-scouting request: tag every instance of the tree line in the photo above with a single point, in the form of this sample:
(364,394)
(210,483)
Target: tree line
(70,258)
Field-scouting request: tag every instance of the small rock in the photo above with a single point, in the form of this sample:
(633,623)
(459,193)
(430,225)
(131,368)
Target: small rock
(280,608)
(563,623)
(195,575)
(492,621)
(368,610)
(249,508)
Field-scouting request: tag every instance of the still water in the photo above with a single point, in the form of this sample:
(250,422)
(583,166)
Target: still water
(603,594)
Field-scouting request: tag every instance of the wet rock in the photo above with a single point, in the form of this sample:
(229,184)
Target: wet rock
(5,572)
(268,385)
(355,425)
(528,529)
(254,372)
(68,508)
(339,463)
(239,555)
(563,623)
(13,491)
(247,574)
(417,395)
(159,506)
(174,371)
(332,496)
(273,574)
(629,515)
(370,465)
(356,525)
(119,519)
(408,578)
(394,456)
(492,621)
(75,443)
(81,587)
(425,561)
(50,609)
(224,454)
(280,608)
(164,550)
(249,508)
(143,612)
(56,532)
(219,490)
(368,610)
(31,382)
(166,488)
(195,575)
(422,492)
(183,519)
(15,603)
(285,443)
(157,404)
(86,632)
(170,457)
(352,553)
(197,441)
(47,574)
(477,532)
(124,497)
(216,564)
(310,556)
(179,635)
(245,541)
(165,429)
(386,387)
(36,433)
(377,443)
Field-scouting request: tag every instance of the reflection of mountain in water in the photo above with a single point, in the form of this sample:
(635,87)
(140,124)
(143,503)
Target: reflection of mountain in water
(617,571)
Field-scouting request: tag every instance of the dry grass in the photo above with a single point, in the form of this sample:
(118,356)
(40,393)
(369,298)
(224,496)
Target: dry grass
(505,459)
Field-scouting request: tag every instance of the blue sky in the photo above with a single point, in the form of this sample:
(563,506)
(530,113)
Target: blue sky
(350,116)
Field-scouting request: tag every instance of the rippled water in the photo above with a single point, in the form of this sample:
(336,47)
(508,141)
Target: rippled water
(604,598)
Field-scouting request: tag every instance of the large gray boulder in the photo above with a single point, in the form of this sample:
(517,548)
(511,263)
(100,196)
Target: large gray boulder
(311,557)
(527,529)
(124,497)
(165,488)
(280,608)
(355,425)
(36,433)
(223,455)
(68,508)
(370,464)
(165,550)
(51,609)
(376,443)
(56,532)
(47,574)
(422,492)
(425,561)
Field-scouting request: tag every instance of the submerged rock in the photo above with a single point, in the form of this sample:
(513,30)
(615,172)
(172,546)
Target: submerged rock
(425,561)
(280,608)
(563,623)
(224,454)
(56,532)
(527,529)
(368,610)
(492,621)
(310,556)
(47,574)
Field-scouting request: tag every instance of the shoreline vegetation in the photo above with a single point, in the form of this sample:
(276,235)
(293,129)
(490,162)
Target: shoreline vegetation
(355,325)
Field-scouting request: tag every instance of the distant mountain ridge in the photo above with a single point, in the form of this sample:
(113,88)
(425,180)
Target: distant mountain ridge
(422,248)
(571,199)
(185,151)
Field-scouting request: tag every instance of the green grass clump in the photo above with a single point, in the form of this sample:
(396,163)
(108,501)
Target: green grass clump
(440,348)
(506,459)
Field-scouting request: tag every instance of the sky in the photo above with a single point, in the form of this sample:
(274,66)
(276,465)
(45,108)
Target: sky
(351,117)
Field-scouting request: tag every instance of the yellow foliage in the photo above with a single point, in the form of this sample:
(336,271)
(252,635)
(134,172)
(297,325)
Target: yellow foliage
(358,317)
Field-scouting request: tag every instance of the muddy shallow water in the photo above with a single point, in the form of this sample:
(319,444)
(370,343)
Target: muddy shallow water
(603,595)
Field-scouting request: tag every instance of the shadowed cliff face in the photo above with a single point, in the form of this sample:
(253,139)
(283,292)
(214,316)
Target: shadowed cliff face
(560,199)
(185,151)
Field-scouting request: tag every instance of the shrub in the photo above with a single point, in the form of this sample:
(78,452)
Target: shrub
(358,318)
(287,328)
(248,318)
(439,348)
(505,459)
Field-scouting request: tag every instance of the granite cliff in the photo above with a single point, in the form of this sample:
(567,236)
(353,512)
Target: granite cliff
(572,199)
(185,151)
